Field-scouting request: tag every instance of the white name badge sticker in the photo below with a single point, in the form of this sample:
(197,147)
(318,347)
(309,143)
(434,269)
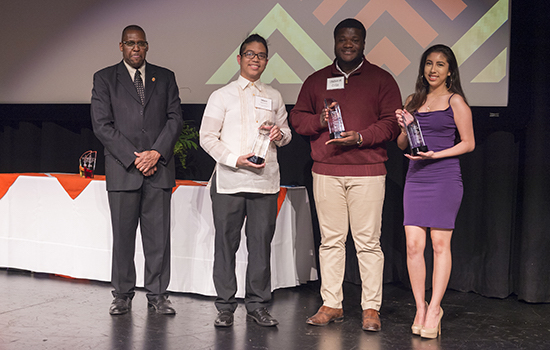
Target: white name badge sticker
(335,83)
(263,103)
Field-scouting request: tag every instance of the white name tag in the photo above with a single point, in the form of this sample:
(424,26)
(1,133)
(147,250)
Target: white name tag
(335,83)
(263,103)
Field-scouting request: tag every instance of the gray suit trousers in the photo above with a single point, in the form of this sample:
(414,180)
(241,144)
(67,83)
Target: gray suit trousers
(150,206)
(229,211)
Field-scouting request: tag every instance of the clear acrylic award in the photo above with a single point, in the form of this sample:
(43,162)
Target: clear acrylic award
(335,121)
(414,134)
(261,143)
(86,164)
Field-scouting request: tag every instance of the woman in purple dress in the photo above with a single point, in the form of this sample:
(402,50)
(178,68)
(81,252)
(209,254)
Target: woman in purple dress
(433,187)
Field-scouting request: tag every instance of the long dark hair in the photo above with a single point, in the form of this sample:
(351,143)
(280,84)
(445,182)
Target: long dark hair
(422,87)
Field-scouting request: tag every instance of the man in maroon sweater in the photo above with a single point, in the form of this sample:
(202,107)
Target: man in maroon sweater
(349,173)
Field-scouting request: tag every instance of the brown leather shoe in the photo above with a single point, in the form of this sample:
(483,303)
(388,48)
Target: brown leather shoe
(371,320)
(326,315)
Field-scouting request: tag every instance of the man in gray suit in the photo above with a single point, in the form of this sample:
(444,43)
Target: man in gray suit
(136,114)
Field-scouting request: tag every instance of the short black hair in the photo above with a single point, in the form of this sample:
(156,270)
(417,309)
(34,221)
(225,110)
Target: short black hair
(351,23)
(251,38)
(132,27)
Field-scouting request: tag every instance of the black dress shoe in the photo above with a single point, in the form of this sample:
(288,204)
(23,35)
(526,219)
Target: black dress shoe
(262,317)
(161,305)
(120,306)
(224,319)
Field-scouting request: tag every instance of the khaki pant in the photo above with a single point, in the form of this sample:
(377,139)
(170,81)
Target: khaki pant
(343,202)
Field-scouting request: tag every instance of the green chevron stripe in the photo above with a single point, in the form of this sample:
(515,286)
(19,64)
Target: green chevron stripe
(495,71)
(481,31)
(277,19)
(280,70)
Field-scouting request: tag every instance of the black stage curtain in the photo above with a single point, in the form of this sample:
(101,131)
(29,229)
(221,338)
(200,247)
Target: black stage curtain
(500,244)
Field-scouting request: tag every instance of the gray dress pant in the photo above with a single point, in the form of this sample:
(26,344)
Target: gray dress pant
(150,206)
(229,211)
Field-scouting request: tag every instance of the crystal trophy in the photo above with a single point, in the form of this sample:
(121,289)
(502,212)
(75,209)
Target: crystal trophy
(414,134)
(335,121)
(261,143)
(86,164)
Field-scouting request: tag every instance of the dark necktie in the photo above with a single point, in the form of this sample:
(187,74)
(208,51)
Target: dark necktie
(139,86)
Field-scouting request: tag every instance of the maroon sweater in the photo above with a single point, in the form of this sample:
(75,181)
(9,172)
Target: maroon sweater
(368,103)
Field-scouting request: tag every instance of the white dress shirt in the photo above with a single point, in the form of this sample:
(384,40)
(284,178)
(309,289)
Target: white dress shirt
(228,129)
(132,71)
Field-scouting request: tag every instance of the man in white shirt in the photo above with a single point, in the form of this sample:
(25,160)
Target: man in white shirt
(242,186)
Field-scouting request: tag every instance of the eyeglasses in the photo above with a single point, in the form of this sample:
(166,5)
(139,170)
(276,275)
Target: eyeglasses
(250,55)
(140,44)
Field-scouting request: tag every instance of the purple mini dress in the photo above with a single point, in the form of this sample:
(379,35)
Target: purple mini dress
(433,188)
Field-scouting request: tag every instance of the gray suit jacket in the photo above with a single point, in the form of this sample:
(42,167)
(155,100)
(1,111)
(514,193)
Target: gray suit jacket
(124,126)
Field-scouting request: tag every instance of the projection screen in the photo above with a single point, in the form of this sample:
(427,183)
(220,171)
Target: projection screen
(52,48)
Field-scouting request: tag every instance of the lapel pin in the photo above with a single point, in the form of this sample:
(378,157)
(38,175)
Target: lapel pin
(153,79)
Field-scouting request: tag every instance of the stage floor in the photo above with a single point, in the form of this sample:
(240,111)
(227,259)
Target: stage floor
(41,311)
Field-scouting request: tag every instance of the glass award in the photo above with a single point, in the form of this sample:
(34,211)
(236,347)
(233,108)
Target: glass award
(335,121)
(86,164)
(414,134)
(261,143)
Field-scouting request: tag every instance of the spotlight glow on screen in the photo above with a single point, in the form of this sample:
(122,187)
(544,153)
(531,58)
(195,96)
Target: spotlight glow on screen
(52,49)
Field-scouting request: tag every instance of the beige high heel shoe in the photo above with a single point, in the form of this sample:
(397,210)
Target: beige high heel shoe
(432,333)
(416,328)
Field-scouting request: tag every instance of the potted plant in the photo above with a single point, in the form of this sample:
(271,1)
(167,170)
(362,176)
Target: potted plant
(186,141)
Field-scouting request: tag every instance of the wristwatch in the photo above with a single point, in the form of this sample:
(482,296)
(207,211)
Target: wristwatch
(360,141)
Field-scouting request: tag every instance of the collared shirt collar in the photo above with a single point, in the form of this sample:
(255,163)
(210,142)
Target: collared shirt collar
(243,83)
(347,75)
(132,71)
